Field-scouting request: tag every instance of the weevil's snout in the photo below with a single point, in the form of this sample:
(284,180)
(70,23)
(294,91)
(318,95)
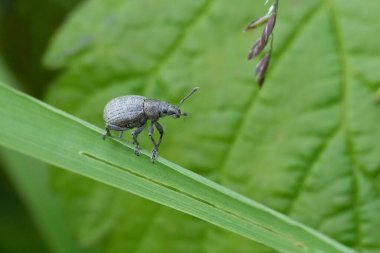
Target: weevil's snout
(179,114)
(175,112)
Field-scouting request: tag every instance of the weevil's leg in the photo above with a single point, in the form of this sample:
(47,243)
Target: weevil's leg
(135,134)
(112,127)
(151,131)
(154,151)
(107,133)
(154,155)
(121,135)
(161,131)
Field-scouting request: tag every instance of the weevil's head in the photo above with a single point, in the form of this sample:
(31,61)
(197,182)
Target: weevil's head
(171,110)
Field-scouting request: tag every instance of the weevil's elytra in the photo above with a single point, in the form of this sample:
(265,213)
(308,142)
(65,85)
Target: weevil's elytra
(129,112)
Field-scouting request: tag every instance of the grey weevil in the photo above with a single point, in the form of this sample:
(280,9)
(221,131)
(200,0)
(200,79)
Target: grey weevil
(128,112)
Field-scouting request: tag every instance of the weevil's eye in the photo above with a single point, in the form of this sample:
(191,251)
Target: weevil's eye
(164,111)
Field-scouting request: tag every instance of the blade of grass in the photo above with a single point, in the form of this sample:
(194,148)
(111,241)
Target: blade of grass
(31,179)
(46,133)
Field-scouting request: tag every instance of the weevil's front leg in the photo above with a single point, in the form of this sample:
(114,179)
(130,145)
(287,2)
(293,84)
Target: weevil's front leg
(151,131)
(154,155)
(155,149)
(135,134)
(161,131)
(121,135)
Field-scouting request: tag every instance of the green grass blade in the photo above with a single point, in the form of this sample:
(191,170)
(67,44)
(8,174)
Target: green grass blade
(31,179)
(39,130)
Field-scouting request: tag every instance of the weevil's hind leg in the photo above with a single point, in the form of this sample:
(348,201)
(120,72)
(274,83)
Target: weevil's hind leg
(135,134)
(155,149)
(121,135)
(112,127)
(107,133)
(161,131)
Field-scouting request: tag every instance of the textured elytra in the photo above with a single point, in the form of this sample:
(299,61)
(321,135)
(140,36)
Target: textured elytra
(306,145)
(125,111)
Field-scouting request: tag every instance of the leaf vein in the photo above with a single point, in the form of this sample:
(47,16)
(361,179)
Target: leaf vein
(313,161)
(175,45)
(342,53)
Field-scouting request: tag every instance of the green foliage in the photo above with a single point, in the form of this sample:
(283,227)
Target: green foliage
(82,151)
(306,145)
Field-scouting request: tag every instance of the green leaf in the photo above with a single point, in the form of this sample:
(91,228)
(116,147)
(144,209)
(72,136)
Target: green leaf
(75,145)
(306,144)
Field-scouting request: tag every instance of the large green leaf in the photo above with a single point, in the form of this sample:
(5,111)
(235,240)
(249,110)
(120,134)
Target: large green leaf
(306,145)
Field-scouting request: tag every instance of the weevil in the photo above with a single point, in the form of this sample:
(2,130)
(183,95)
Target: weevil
(129,112)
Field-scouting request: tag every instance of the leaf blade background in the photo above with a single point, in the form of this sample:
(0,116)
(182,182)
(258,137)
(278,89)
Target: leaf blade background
(310,133)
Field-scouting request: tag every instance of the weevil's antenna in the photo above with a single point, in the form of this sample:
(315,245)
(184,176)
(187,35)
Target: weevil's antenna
(188,95)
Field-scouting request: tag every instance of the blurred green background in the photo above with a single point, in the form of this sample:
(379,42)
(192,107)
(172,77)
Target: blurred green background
(305,145)
(25,30)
